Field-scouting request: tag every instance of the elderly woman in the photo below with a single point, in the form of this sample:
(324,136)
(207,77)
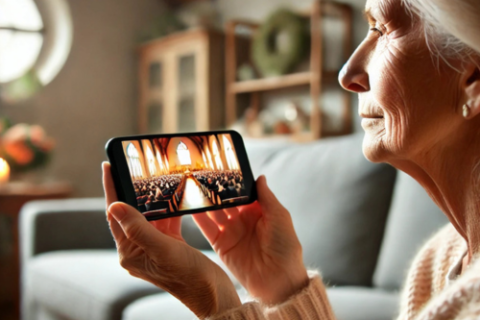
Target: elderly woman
(419,93)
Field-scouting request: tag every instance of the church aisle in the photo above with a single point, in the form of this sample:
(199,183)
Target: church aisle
(193,197)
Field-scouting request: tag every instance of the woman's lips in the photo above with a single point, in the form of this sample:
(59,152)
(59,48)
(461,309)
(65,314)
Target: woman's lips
(371,116)
(372,120)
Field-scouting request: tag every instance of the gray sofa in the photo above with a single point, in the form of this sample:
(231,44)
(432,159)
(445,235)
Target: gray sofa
(359,223)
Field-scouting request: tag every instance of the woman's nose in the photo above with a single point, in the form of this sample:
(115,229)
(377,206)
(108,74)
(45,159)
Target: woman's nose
(353,76)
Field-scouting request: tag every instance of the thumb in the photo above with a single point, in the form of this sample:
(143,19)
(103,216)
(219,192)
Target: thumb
(267,200)
(135,227)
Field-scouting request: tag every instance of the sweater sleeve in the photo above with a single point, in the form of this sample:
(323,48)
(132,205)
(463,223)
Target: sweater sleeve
(247,311)
(309,304)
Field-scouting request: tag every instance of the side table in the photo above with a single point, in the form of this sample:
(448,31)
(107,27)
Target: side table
(12,197)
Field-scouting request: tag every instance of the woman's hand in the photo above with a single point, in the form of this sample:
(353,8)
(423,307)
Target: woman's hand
(259,245)
(156,252)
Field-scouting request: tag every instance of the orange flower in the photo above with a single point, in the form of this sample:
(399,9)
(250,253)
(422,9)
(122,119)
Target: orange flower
(19,152)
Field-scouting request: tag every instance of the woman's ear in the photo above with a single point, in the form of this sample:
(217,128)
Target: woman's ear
(472,91)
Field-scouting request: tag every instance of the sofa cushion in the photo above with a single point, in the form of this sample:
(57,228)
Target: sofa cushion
(414,217)
(83,284)
(348,303)
(360,303)
(88,284)
(162,306)
(158,306)
(338,200)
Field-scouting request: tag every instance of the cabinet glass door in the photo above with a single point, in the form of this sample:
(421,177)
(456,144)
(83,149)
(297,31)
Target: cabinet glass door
(155,103)
(186,97)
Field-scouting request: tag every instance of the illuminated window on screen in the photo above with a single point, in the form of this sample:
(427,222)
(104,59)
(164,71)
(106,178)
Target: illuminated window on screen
(136,167)
(229,154)
(183,154)
(151,162)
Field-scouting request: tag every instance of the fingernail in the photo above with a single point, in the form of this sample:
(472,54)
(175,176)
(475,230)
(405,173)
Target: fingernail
(117,211)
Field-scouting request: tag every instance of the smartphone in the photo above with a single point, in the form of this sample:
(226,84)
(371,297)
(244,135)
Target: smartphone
(168,175)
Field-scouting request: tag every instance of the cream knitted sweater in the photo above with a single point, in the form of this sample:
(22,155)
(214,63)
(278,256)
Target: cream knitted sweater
(427,294)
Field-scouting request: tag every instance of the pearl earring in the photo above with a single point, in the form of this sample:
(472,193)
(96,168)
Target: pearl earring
(465,110)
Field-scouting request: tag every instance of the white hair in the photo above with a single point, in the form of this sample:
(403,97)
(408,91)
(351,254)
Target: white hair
(451,26)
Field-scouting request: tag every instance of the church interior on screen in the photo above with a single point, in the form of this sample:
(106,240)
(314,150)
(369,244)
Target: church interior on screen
(182,173)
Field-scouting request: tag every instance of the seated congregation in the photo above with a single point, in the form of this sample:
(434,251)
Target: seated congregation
(182,173)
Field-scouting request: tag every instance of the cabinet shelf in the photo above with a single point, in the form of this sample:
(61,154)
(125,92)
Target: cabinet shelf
(237,53)
(280,82)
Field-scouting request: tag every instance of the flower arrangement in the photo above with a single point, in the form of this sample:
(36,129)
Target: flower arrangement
(24,146)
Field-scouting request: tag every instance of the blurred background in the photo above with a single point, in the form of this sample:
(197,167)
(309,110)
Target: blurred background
(74,74)
(86,71)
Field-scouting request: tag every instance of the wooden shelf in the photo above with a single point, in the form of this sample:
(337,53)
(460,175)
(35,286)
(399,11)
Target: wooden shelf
(238,48)
(281,82)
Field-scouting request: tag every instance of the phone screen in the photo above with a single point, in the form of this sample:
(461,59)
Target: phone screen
(174,174)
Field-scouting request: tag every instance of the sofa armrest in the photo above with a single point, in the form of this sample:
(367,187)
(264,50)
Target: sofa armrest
(50,225)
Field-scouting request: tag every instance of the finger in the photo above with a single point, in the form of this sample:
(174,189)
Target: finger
(232,213)
(161,225)
(171,227)
(208,227)
(117,231)
(175,227)
(267,200)
(124,246)
(219,216)
(250,210)
(137,229)
(108,185)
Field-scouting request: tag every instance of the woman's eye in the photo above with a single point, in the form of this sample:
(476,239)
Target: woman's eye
(380,33)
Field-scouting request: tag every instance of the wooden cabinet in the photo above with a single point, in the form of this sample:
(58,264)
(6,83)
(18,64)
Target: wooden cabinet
(181,79)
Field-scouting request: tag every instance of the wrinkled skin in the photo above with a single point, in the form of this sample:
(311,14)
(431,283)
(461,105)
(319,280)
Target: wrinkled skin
(411,103)
(258,244)
(407,98)
(157,253)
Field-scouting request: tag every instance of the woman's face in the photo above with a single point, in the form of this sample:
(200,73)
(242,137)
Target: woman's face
(408,99)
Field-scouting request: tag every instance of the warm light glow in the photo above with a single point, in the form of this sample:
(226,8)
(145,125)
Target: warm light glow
(4,171)
(216,155)
(19,49)
(151,162)
(183,154)
(135,166)
(229,154)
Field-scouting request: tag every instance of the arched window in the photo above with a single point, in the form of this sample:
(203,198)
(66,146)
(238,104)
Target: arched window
(135,166)
(183,154)
(209,156)
(216,156)
(167,163)
(229,154)
(159,159)
(204,159)
(21,38)
(151,162)
(27,48)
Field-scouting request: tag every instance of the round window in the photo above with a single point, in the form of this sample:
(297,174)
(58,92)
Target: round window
(35,39)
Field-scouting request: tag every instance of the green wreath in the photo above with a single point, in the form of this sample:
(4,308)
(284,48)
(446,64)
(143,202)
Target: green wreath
(281,42)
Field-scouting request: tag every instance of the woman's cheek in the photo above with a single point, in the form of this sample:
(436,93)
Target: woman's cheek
(391,95)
